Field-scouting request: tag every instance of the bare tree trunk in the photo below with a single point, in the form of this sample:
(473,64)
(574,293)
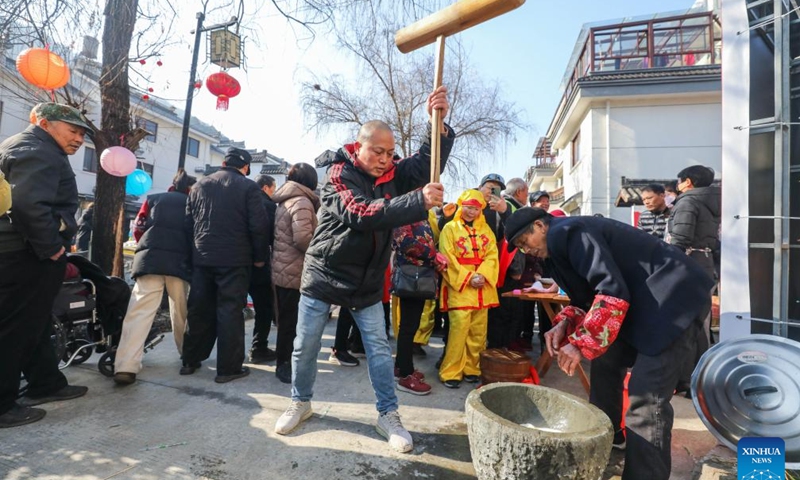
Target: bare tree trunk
(107,238)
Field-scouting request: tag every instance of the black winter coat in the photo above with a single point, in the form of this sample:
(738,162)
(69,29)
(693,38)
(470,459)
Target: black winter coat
(226,220)
(263,275)
(348,256)
(165,248)
(694,224)
(666,289)
(45,194)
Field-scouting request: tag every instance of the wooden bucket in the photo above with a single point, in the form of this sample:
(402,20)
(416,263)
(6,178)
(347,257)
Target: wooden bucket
(502,365)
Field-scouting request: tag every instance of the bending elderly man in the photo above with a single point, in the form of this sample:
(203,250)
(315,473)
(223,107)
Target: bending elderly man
(635,302)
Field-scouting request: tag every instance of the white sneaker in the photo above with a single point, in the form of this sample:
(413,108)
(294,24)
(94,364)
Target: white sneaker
(390,427)
(292,417)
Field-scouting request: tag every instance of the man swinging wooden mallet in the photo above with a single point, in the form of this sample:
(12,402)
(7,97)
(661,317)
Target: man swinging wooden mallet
(434,28)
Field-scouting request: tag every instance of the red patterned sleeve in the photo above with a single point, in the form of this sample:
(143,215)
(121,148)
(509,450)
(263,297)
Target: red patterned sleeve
(600,327)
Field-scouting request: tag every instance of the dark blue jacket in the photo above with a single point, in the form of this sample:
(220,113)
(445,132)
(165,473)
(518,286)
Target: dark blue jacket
(165,248)
(666,289)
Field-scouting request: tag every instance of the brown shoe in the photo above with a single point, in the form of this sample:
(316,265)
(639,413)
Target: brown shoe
(124,378)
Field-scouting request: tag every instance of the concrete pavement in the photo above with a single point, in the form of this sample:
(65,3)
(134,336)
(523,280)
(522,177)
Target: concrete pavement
(168,426)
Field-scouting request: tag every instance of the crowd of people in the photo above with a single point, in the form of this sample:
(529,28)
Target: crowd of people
(377,232)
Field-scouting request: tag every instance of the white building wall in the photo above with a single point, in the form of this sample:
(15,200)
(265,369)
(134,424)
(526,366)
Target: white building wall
(647,141)
(578,177)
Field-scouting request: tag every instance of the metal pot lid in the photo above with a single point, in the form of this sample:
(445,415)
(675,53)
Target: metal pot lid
(750,387)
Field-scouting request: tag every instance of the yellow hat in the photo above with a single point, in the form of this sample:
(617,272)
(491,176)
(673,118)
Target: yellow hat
(472,198)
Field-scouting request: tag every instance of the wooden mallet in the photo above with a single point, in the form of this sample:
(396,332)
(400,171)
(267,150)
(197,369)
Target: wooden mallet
(434,28)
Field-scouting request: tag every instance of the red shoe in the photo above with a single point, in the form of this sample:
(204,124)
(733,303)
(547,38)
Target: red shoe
(413,385)
(417,374)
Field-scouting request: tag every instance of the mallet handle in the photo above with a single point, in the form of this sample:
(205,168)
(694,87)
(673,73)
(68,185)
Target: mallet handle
(436,116)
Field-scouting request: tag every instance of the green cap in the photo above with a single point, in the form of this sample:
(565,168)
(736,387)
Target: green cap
(61,113)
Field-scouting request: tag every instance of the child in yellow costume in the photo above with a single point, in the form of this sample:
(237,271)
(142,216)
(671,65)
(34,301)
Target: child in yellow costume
(469,288)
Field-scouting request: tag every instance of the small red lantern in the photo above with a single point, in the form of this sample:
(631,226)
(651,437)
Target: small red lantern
(142,61)
(198,84)
(224,87)
(145,97)
(159,63)
(150,89)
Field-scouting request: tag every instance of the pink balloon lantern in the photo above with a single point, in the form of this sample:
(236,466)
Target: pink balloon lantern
(118,161)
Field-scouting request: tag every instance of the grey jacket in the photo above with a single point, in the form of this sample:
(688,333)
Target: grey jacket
(295,222)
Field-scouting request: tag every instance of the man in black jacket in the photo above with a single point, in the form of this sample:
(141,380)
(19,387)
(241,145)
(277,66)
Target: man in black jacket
(261,281)
(227,222)
(634,302)
(163,259)
(33,236)
(367,193)
(693,227)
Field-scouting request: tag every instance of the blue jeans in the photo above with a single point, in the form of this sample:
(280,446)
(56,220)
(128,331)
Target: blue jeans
(311,320)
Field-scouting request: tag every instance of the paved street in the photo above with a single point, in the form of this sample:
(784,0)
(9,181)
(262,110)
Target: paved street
(168,426)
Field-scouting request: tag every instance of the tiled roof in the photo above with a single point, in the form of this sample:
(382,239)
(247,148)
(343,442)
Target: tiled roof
(271,169)
(652,73)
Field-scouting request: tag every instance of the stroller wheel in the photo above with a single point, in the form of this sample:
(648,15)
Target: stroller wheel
(75,346)
(106,363)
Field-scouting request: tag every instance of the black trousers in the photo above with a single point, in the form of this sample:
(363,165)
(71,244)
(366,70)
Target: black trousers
(410,314)
(216,302)
(288,300)
(28,288)
(343,326)
(504,320)
(650,416)
(263,303)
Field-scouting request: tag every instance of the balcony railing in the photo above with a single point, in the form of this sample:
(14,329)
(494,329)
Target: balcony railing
(682,41)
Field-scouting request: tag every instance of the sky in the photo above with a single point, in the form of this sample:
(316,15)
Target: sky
(526,50)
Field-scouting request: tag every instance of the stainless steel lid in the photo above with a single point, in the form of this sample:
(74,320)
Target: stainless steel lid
(750,387)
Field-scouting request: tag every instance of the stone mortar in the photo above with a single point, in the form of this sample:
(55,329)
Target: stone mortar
(571,439)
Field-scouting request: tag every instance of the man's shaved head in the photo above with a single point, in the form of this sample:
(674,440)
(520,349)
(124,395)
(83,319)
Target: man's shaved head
(368,129)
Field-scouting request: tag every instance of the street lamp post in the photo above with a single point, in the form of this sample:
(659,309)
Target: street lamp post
(187,115)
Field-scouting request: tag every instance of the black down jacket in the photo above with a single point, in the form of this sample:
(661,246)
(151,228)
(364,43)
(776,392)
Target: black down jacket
(165,247)
(227,221)
(693,225)
(348,256)
(45,194)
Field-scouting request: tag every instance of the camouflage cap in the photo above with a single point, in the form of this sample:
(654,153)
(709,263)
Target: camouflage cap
(61,113)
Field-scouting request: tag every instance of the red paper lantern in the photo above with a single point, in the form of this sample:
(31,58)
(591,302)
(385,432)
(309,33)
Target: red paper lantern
(43,68)
(224,87)
(145,97)
(159,63)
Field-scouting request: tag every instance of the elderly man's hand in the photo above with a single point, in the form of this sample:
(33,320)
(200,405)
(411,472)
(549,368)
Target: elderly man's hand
(477,281)
(433,194)
(438,100)
(554,337)
(58,255)
(569,357)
